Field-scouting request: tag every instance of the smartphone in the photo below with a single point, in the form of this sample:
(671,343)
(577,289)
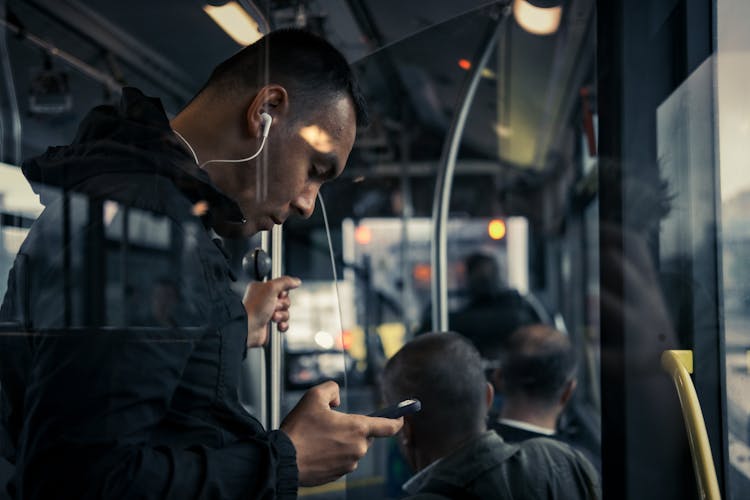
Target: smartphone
(405,407)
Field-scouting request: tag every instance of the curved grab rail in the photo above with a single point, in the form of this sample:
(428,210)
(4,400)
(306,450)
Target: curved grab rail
(679,365)
(446,169)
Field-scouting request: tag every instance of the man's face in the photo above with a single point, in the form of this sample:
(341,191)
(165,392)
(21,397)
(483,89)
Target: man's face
(301,155)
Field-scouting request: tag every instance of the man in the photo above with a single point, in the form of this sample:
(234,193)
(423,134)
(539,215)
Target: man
(99,402)
(537,379)
(448,444)
(493,312)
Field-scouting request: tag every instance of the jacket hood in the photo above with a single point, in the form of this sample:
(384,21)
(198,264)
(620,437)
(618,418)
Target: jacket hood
(134,137)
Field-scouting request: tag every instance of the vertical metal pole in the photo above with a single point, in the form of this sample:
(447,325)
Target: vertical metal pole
(124,250)
(7,70)
(444,183)
(264,355)
(275,360)
(407,212)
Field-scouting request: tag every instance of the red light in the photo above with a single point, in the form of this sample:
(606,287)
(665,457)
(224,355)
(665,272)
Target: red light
(346,339)
(422,272)
(464,64)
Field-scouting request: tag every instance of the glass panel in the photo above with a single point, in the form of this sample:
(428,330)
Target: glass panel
(411,88)
(523,269)
(19,206)
(682,205)
(732,63)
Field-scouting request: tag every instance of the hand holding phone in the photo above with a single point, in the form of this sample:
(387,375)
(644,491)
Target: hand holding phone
(405,407)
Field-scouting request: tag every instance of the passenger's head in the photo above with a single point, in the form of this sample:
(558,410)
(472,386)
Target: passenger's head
(308,88)
(443,371)
(482,274)
(537,368)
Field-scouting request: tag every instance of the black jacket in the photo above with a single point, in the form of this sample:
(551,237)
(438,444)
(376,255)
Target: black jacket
(488,467)
(123,340)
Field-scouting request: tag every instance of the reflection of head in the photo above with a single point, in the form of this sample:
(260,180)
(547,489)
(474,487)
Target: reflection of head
(310,68)
(538,364)
(482,274)
(643,203)
(443,371)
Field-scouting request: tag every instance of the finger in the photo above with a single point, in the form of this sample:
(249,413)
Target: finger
(284,284)
(329,392)
(283,326)
(383,427)
(285,303)
(280,316)
(284,294)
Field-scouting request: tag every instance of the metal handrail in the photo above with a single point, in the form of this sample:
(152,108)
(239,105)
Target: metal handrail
(444,182)
(679,365)
(274,344)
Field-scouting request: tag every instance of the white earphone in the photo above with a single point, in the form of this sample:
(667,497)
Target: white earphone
(265,120)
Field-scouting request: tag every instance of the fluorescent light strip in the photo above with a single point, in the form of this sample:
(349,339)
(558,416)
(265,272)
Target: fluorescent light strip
(236,22)
(537,20)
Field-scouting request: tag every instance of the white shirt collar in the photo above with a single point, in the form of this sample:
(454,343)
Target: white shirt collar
(527,426)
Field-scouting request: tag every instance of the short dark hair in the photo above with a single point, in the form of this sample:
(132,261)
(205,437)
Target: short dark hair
(482,274)
(443,371)
(538,361)
(308,66)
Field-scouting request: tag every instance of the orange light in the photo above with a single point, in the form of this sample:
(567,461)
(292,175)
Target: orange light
(496,229)
(346,339)
(422,272)
(363,235)
(464,64)
(200,208)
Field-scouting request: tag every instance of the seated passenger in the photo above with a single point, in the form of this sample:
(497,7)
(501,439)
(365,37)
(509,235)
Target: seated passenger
(448,443)
(537,379)
(493,311)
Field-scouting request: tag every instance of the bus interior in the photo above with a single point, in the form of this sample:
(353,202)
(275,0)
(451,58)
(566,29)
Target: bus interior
(592,151)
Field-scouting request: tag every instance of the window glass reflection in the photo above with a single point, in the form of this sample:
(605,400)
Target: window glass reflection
(732,63)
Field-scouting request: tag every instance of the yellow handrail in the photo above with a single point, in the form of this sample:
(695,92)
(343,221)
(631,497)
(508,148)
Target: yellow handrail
(679,364)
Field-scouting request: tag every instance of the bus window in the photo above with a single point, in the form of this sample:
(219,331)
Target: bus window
(732,63)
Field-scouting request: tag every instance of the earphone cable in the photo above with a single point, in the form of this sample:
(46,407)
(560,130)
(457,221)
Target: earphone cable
(338,294)
(201,165)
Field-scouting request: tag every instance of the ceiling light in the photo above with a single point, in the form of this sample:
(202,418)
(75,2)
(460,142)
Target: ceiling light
(464,64)
(324,339)
(496,229)
(236,22)
(363,235)
(539,17)
(503,131)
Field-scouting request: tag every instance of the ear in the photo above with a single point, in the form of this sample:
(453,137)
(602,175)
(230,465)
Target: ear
(570,388)
(497,380)
(407,443)
(489,395)
(272,99)
(407,432)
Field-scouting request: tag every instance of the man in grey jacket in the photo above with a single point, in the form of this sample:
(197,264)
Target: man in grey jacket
(448,443)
